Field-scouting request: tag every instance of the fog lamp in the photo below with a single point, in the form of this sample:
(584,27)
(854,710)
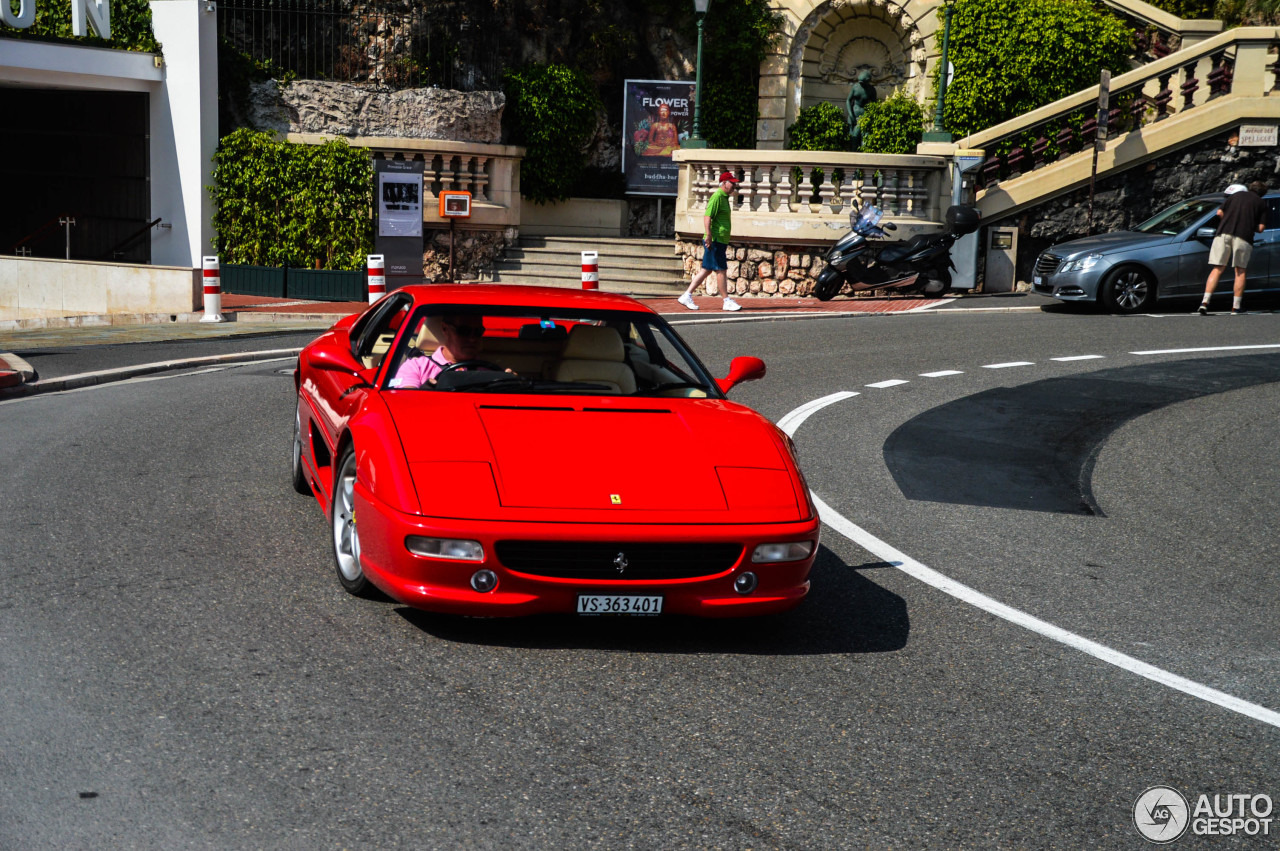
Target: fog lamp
(451,548)
(484,581)
(791,551)
(746,582)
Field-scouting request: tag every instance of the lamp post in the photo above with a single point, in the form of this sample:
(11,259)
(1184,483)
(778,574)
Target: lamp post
(938,134)
(695,140)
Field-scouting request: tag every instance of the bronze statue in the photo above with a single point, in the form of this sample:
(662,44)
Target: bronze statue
(861,93)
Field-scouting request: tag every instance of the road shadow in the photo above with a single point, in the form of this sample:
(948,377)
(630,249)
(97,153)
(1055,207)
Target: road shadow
(1033,446)
(845,612)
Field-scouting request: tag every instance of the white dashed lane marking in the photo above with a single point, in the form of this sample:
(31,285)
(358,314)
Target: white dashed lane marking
(1080,357)
(942,373)
(1009,364)
(892,382)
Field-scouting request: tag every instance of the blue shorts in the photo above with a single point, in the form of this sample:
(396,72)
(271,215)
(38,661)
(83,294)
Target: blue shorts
(714,257)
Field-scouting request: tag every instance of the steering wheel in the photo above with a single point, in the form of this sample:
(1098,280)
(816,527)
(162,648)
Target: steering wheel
(489,366)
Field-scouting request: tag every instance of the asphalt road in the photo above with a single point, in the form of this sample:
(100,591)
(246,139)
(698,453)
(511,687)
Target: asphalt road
(180,668)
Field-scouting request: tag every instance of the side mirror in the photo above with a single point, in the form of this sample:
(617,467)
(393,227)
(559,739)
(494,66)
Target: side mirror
(889,226)
(740,370)
(1205,233)
(330,359)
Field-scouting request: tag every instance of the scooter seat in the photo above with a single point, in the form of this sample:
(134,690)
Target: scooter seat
(895,251)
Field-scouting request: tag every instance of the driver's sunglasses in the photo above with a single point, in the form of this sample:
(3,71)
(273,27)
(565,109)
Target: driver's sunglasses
(471,332)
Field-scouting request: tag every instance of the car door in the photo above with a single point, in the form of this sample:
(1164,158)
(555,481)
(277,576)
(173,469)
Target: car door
(343,367)
(1193,257)
(1264,267)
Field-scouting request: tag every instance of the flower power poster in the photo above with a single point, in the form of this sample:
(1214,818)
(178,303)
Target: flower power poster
(657,118)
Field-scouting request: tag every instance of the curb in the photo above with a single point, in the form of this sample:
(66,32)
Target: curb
(106,376)
(100,320)
(14,370)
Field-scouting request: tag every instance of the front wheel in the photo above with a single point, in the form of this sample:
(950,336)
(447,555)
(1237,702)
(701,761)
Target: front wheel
(1128,290)
(829,284)
(346,538)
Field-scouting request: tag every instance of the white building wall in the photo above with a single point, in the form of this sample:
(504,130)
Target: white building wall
(184,130)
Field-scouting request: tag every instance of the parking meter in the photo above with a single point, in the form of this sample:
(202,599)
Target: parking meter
(965,252)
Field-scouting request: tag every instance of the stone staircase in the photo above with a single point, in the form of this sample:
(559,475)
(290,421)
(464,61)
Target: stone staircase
(630,266)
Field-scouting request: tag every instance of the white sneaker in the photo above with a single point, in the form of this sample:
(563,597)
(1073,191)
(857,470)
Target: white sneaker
(730,304)
(687,301)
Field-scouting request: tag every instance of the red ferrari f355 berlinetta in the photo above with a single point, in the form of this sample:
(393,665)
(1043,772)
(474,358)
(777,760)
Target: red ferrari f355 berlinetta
(506,450)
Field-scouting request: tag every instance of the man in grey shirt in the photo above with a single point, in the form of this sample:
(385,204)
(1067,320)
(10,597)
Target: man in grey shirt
(1243,214)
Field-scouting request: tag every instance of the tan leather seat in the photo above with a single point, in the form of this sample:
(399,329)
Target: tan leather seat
(594,354)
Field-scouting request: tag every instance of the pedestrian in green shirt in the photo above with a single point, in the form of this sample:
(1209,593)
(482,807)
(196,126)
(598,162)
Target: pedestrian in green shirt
(716,227)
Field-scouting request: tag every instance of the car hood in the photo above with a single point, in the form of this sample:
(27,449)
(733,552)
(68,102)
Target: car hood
(1108,242)
(601,459)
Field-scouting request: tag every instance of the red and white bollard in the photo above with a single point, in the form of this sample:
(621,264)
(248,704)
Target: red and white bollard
(591,270)
(212,291)
(377,277)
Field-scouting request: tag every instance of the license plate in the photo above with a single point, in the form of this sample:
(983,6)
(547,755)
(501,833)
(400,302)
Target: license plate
(618,604)
(1037,280)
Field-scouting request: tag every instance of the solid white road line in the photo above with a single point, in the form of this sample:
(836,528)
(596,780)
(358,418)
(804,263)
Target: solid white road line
(1207,349)
(965,594)
(1009,364)
(1079,357)
(942,373)
(892,382)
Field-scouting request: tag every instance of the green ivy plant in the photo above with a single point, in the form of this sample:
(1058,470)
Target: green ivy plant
(737,36)
(892,126)
(821,127)
(553,111)
(130,26)
(1013,56)
(278,203)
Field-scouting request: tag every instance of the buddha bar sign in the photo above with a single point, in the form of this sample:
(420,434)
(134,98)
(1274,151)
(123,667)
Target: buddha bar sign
(84,14)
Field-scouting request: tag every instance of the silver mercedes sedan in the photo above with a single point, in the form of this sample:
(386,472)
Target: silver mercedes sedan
(1165,257)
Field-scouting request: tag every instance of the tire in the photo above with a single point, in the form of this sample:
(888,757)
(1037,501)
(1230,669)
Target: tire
(300,483)
(828,285)
(934,288)
(1128,290)
(346,539)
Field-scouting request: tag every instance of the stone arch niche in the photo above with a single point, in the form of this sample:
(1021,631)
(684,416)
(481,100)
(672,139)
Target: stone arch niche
(827,44)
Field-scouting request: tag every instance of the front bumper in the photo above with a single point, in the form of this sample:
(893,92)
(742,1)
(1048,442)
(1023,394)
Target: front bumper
(1068,286)
(442,585)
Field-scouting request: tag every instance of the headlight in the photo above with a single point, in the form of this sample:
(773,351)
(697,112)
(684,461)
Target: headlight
(451,548)
(793,551)
(1080,264)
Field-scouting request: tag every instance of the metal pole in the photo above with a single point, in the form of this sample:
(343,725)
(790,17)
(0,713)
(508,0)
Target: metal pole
(67,222)
(942,77)
(696,140)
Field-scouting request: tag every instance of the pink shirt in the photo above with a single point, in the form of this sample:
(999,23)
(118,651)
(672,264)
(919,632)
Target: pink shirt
(416,372)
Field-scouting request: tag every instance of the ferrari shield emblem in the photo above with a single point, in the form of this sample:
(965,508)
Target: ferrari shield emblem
(615,498)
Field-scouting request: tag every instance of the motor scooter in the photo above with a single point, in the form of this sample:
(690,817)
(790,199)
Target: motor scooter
(921,264)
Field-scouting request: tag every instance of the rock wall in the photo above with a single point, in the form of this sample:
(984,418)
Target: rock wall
(1129,198)
(355,109)
(760,270)
(474,253)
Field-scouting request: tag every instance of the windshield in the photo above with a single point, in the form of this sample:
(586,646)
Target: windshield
(514,349)
(1179,217)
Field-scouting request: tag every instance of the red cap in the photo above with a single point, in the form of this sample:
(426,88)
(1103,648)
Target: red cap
(728,175)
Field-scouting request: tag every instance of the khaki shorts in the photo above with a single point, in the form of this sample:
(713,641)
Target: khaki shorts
(1228,250)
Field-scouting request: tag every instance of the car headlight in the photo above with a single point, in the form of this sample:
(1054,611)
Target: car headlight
(1081,264)
(451,548)
(790,551)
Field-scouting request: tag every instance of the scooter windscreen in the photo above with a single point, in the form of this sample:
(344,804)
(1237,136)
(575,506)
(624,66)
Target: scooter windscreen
(871,216)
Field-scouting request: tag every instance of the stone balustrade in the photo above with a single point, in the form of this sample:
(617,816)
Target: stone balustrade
(1234,63)
(491,173)
(806,196)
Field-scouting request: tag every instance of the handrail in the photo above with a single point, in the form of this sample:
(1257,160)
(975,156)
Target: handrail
(110,253)
(40,230)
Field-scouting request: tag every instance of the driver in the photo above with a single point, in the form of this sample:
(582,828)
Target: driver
(460,339)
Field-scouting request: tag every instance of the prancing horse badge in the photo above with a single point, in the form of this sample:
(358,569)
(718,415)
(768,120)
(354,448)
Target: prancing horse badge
(615,498)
